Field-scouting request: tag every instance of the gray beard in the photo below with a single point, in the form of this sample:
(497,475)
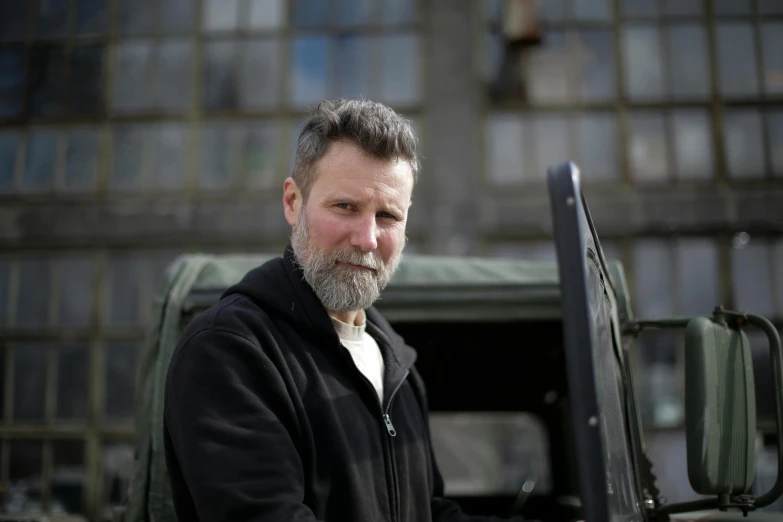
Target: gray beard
(340,288)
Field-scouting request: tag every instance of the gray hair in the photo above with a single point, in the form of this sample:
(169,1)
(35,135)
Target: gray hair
(374,127)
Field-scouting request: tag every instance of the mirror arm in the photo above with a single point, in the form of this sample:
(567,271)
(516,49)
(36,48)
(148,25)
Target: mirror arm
(776,358)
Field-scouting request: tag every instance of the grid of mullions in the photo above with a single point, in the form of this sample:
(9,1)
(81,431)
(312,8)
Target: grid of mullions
(640,91)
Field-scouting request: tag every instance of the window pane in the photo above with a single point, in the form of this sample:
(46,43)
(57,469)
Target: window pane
(5,282)
(697,260)
(490,453)
(764,6)
(40,159)
(218,155)
(120,379)
(548,78)
(32,307)
(725,7)
(221,15)
(551,11)
(9,147)
(13,20)
(46,79)
(643,63)
(504,140)
(29,382)
(68,475)
(123,290)
(26,460)
(81,159)
(775,130)
(91,17)
(355,12)
(771,44)
(12,87)
(76,291)
(598,154)
(552,146)
(73,364)
(86,93)
(168,167)
(134,76)
(751,277)
(355,63)
(309,69)
(178,16)
(689,73)
(592,10)
(260,86)
(138,16)
(744,143)
(52,19)
(400,69)
(692,144)
(653,278)
(117,472)
(641,8)
(595,57)
(172,77)
(220,75)
(309,13)
(649,149)
(737,59)
(267,14)
(128,161)
(684,7)
(259,155)
(399,12)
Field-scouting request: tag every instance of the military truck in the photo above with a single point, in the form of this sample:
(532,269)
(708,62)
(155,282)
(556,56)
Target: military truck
(548,423)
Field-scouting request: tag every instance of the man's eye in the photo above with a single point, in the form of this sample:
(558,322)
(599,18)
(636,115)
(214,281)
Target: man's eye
(387,215)
(345,206)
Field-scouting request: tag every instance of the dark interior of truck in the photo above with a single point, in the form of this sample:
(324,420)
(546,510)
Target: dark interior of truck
(503,367)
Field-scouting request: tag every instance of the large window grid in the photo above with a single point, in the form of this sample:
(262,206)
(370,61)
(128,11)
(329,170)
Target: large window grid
(109,101)
(666,77)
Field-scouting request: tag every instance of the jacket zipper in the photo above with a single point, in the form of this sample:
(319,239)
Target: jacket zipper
(393,433)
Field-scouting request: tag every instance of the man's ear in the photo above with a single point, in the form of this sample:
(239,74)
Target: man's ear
(292,201)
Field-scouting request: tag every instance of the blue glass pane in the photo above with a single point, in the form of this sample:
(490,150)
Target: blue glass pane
(775,130)
(400,11)
(309,70)
(120,380)
(52,18)
(5,283)
(689,71)
(400,69)
(217,156)
(260,82)
(598,65)
(8,150)
(76,291)
(13,20)
(124,284)
(771,45)
(11,83)
(81,160)
(267,14)
(127,164)
(86,85)
(91,17)
(259,155)
(47,76)
(593,10)
(737,59)
(644,78)
(172,79)
(168,167)
(221,15)
(354,60)
(134,74)
(744,143)
(30,392)
(310,13)
(138,16)
(640,8)
(40,162)
(73,370)
(355,12)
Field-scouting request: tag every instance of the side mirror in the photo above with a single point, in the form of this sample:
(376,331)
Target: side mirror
(720,408)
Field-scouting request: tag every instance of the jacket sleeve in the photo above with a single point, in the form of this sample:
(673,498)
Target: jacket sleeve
(230,421)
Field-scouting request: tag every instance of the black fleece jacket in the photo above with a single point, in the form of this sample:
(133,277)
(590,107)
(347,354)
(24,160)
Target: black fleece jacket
(268,419)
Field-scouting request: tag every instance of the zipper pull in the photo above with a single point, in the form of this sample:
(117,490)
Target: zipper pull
(389,425)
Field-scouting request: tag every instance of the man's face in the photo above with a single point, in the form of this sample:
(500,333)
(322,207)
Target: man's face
(349,235)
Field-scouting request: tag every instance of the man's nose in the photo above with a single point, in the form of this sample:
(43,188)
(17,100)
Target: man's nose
(365,233)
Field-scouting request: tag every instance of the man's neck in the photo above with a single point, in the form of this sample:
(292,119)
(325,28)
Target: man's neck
(353,318)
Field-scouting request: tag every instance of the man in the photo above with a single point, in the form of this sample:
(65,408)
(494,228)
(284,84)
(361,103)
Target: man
(292,398)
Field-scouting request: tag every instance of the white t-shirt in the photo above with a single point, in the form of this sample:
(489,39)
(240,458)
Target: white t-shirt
(364,351)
